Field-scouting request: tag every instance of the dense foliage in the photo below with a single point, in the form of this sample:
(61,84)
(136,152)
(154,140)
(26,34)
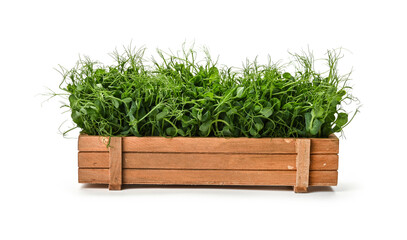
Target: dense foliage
(180,96)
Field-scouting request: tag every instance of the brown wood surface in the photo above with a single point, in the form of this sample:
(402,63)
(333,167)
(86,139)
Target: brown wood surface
(92,143)
(212,145)
(208,177)
(303,147)
(115,163)
(93,159)
(325,145)
(100,176)
(207,161)
(204,145)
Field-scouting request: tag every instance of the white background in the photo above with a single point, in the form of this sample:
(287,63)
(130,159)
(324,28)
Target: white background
(40,196)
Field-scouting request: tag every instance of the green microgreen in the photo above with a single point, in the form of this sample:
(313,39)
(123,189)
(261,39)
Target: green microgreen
(181,95)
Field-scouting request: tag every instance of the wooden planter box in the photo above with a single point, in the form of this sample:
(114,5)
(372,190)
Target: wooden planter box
(297,162)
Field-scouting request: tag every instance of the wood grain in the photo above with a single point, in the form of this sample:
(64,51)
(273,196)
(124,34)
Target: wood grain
(208,177)
(203,145)
(93,159)
(303,147)
(88,143)
(115,163)
(207,161)
(93,176)
(325,145)
(208,145)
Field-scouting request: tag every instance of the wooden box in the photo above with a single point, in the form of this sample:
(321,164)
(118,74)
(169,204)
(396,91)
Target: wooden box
(297,162)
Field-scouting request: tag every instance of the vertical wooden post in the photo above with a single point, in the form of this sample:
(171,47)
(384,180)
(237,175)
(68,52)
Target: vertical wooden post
(303,148)
(115,163)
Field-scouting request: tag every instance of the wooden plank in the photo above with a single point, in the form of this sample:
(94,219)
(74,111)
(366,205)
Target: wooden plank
(198,145)
(323,178)
(115,163)
(208,177)
(303,147)
(325,145)
(93,159)
(88,143)
(100,176)
(207,161)
(224,177)
(209,145)
(324,162)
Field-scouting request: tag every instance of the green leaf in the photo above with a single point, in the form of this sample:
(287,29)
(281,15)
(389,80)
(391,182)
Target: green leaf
(317,112)
(77,118)
(287,76)
(253,132)
(205,116)
(194,113)
(115,103)
(132,109)
(127,100)
(258,124)
(170,131)
(276,103)
(316,81)
(316,126)
(204,128)
(326,130)
(308,122)
(231,111)
(341,93)
(266,112)
(287,106)
(239,92)
(209,94)
(199,115)
(181,132)
(162,114)
(330,118)
(72,100)
(226,131)
(341,120)
(270,125)
(98,105)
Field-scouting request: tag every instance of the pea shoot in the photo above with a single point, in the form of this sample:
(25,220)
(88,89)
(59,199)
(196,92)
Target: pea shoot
(181,95)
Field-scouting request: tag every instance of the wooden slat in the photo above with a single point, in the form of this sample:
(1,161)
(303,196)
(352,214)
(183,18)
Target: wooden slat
(303,163)
(208,177)
(323,178)
(115,163)
(211,145)
(93,176)
(88,143)
(324,162)
(93,159)
(207,161)
(220,145)
(224,177)
(325,145)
